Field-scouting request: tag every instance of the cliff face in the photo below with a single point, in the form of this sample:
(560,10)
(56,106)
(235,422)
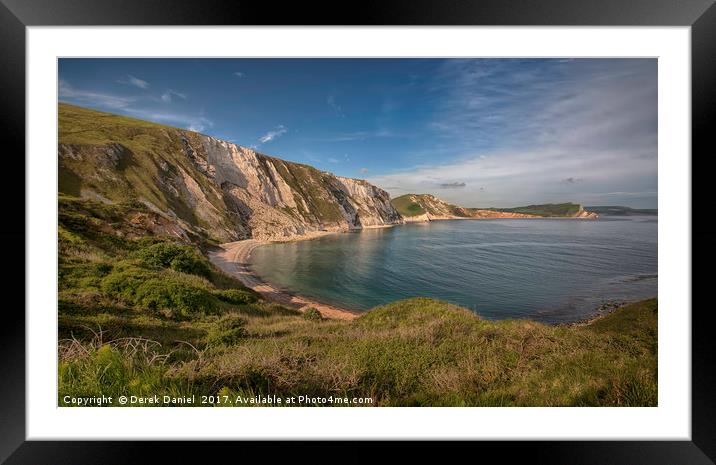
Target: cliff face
(582,213)
(282,199)
(210,187)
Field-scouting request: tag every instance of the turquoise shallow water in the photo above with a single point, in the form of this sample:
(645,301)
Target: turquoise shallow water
(552,270)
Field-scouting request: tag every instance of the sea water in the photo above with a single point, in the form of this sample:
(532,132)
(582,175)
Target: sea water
(551,270)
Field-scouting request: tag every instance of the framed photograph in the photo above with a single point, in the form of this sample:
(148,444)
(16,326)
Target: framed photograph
(469,221)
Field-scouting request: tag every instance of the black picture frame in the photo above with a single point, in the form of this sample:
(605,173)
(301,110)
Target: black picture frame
(16,15)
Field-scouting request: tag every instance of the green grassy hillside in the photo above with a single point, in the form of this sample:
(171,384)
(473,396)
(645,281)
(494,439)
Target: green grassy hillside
(142,312)
(622,211)
(406,206)
(418,204)
(548,210)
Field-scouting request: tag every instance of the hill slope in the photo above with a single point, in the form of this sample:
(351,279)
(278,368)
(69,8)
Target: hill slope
(212,188)
(426,207)
(613,210)
(553,210)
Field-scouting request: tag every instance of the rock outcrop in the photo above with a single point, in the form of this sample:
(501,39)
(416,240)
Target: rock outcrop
(582,213)
(214,188)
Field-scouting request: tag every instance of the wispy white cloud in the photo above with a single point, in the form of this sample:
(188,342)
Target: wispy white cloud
(191,122)
(239,74)
(452,185)
(134,81)
(169,94)
(354,135)
(89,97)
(331,101)
(137,106)
(273,134)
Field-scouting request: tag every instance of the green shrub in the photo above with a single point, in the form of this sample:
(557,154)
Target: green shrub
(191,263)
(163,294)
(123,284)
(184,259)
(312,314)
(82,275)
(228,330)
(236,296)
(156,291)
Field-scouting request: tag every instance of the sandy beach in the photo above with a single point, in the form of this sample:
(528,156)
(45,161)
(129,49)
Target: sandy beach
(233,259)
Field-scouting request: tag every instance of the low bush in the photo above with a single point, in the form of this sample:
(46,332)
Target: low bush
(236,296)
(312,314)
(228,330)
(123,284)
(183,299)
(158,291)
(184,259)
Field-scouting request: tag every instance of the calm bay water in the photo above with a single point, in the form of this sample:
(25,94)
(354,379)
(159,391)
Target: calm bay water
(552,270)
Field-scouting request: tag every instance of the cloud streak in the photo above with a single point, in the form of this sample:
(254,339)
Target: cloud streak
(168,95)
(197,123)
(354,136)
(133,106)
(134,81)
(452,185)
(273,134)
(87,97)
(331,101)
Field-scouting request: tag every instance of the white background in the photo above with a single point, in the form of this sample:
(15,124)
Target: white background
(670,420)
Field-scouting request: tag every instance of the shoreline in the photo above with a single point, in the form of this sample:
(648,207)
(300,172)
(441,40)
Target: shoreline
(534,217)
(232,258)
(599,313)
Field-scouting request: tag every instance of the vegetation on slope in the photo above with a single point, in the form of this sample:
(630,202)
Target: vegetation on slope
(142,312)
(406,206)
(614,210)
(549,210)
(418,204)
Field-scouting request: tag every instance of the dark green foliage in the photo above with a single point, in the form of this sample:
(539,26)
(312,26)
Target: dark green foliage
(229,330)
(312,314)
(180,258)
(124,283)
(236,296)
(182,298)
(158,291)
(622,211)
(407,207)
(549,209)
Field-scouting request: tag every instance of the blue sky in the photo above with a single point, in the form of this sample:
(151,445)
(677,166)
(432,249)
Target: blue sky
(478,132)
